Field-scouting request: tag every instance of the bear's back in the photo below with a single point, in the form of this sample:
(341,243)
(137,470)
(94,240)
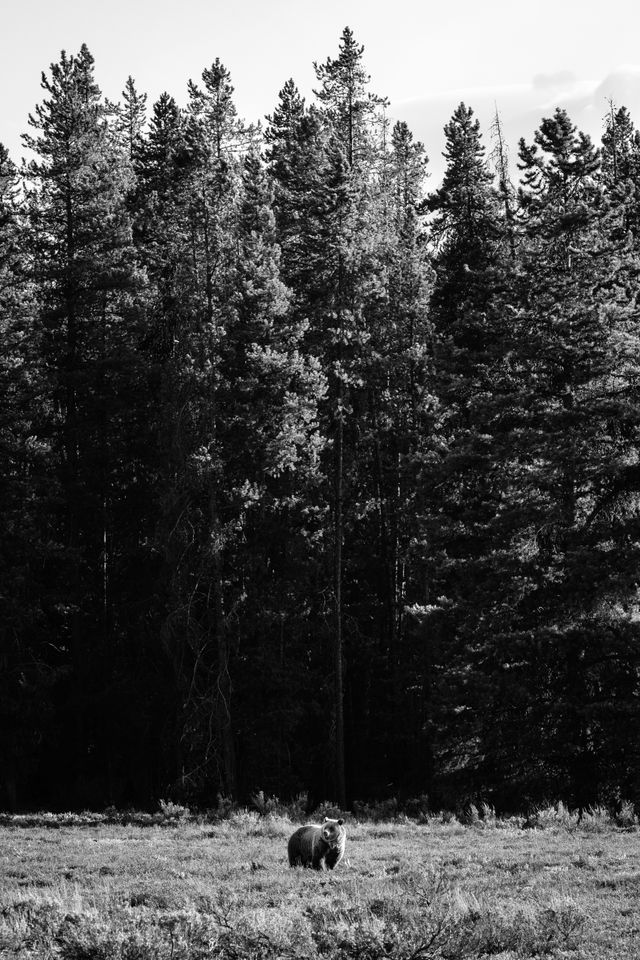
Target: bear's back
(304,843)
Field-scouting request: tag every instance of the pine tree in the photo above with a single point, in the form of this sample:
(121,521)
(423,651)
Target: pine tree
(295,157)
(395,423)
(346,101)
(268,398)
(161,224)
(164,151)
(216,138)
(466,227)
(240,416)
(131,117)
(348,108)
(620,147)
(282,132)
(79,239)
(620,170)
(25,669)
(461,556)
(213,134)
(574,358)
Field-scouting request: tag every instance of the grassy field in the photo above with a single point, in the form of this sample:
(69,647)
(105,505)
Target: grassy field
(183,889)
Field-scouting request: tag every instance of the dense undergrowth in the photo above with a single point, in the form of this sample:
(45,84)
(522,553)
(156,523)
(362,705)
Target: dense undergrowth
(415,810)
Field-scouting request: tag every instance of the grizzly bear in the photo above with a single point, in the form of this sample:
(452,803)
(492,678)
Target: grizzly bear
(320,847)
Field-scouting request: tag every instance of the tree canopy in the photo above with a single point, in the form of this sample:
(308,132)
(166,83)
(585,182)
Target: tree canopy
(315,479)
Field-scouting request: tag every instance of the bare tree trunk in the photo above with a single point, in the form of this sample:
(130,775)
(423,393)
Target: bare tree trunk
(501,161)
(337,594)
(71,479)
(389,549)
(614,139)
(223,690)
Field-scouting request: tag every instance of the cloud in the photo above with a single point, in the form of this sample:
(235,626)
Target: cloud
(623,86)
(562,78)
(521,108)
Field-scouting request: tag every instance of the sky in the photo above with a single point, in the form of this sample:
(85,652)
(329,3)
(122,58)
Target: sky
(524,58)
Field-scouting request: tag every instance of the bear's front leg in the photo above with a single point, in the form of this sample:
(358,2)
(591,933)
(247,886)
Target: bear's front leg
(332,858)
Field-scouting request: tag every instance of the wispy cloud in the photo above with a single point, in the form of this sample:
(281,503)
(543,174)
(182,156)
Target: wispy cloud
(522,106)
(456,94)
(561,78)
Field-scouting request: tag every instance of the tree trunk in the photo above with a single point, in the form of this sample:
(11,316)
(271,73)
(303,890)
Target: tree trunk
(337,594)
(222,696)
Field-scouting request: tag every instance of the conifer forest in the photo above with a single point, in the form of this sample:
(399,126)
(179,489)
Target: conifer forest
(316,477)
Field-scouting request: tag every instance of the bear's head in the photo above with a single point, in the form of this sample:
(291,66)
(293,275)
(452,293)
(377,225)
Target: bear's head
(332,831)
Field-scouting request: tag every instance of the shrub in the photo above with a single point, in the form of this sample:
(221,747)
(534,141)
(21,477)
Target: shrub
(418,808)
(173,811)
(293,810)
(554,816)
(377,810)
(327,809)
(626,815)
(446,816)
(596,819)
(488,814)
(224,809)
(469,815)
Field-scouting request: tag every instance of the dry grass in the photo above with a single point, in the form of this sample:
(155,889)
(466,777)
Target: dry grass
(187,891)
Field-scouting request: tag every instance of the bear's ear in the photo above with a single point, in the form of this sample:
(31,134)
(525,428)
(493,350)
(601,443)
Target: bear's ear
(340,822)
(326,820)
